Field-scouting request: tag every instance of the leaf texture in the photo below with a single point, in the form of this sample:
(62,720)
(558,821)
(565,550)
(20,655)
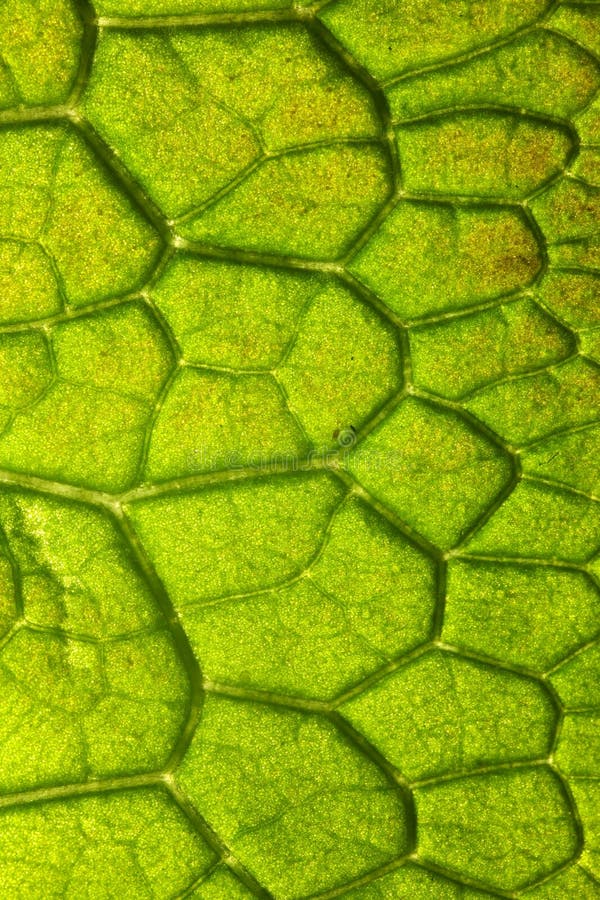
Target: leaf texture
(299,439)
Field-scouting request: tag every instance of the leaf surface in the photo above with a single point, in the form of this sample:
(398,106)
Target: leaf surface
(299,438)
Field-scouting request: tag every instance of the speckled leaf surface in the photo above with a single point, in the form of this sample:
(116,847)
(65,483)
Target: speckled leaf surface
(299,441)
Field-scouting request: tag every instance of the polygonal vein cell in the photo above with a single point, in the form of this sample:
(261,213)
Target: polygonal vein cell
(174,137)
(573,296)
(68,234)
(74,707)
(133,843)
(330,363)
(566,526)
(114,249)
(367,598)
(458,355)
(503,611)
(233,315)
(27,282)
(309,203)
(579,22)
(219,100)
(569,215)
(395,36)
(430,468)
(298,805)
(442,714)
(578,747)
(89,426)
(577,681)
(506,829)
(531,407)
(427,257)
(39,51)
(26,368)
(238,537)
(281,79)
(220,420)
(72,710)
(343,365)
(29,288)
(74,572)
(541,72)
(482,153)
(585,165)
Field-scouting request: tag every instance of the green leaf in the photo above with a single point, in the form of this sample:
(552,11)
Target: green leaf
(299,430)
